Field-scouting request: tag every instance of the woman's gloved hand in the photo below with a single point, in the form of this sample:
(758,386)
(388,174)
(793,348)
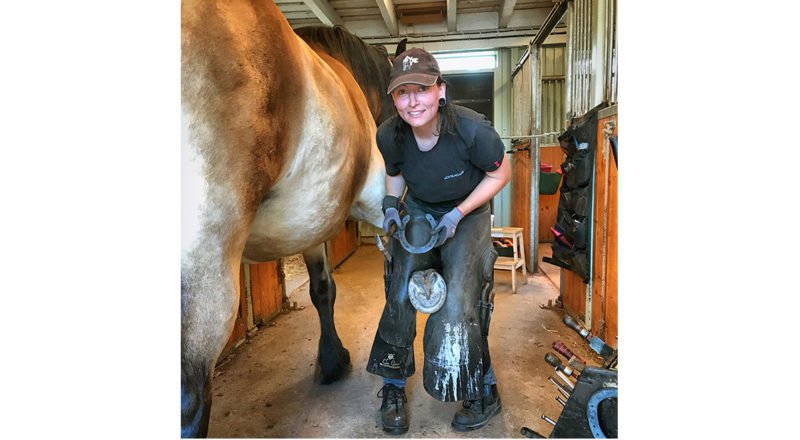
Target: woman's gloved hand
(390,212)
(447,225)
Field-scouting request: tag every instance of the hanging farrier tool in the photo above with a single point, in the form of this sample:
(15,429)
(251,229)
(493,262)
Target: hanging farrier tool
(387,262)
(382,247)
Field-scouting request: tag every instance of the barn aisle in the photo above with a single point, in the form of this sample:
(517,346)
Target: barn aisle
(550,271)
(266,388)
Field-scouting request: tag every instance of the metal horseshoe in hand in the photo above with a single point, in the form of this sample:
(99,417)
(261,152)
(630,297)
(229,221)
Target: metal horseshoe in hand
(400,234)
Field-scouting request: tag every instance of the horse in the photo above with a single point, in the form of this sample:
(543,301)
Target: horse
(277,150)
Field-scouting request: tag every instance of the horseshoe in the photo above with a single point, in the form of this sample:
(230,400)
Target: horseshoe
(400,235)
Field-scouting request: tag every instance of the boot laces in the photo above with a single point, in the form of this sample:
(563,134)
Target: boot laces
(392,393)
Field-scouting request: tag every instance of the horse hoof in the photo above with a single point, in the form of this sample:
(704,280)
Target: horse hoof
(334,369)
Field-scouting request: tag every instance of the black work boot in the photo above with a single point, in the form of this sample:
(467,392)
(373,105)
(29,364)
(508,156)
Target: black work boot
(394,414)
(476,413)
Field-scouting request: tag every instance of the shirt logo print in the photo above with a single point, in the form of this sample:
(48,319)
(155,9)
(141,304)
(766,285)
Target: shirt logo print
(409,61)
(451,176)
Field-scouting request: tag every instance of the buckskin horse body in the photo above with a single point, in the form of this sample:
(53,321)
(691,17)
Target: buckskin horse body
(278,149)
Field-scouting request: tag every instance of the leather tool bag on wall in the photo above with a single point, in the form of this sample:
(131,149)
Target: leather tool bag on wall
(572,246)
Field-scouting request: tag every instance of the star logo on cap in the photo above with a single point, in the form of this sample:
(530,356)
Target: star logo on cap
(408,61)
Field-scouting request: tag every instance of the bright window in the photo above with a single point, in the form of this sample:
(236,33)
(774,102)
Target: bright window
(466,61)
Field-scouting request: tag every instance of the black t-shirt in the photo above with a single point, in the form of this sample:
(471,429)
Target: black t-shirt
(447,173)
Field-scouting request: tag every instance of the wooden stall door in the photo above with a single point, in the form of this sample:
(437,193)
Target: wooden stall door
(266,290)
(611,310)
(604,255)
(573,289)
(548,203)
(573,294)
(343,245)
(522,124)
(604,314)
(520,216)
(240,326)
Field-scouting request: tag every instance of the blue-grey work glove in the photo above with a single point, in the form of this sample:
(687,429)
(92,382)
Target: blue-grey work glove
(390,212)
(447,226)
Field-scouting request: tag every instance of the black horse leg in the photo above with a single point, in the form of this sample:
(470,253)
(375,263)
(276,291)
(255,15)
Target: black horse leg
(334,359)
(208,307)
(195,399)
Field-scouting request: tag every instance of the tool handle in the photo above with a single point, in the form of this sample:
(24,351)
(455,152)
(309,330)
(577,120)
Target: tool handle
(559,387)
(566,380)
(576,364)
(551,359)
(571,323)
(564,351)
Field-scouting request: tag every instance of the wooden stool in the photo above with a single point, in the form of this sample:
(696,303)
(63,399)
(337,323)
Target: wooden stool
(515,262)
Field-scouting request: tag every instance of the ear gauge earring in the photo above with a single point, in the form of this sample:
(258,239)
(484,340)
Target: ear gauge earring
(442,102)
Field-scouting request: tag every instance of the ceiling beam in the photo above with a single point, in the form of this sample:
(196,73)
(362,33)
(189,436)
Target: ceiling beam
(451,15)
(389,16)
(473,45)
(506,11)
(323,10)
(447,41)
(550,22)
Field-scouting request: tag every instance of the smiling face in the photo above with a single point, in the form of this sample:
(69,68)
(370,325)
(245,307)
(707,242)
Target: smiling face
(418,105)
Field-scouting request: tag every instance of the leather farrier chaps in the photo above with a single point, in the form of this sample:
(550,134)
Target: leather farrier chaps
(454,343)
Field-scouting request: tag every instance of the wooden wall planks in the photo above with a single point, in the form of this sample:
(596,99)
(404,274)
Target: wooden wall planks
(343,245)
(604,244)
(266,290)
(240,325)
(520,216)
(604,310)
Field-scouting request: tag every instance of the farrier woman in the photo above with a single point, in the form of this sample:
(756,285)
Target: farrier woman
(452,162)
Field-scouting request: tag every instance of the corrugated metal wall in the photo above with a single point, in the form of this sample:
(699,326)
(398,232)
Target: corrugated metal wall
(553,110)
(579,56)
(521,107)
(611,54)
(522,207)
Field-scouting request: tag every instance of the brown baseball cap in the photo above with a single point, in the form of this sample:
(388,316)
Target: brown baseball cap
(414,66)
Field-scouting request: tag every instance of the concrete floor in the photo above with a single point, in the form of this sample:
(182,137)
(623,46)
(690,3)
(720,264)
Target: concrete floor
(550,271)
(266,387)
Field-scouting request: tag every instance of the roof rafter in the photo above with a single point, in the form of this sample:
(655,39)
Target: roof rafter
(451,15)
(389,16)
(323,10)
(505,12)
